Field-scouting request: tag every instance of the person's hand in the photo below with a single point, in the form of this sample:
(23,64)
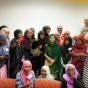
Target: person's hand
(82,55)
(17,42)
(28,84)
(2,57)
(72,75)
(6,56)
(36,40)
(40,46)
(52,62)
(45,44)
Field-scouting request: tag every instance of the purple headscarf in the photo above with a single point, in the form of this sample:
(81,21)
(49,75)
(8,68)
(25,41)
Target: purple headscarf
(27,41)
(66,76)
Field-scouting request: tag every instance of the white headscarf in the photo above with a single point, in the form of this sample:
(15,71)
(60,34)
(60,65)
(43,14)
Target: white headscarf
(48,76)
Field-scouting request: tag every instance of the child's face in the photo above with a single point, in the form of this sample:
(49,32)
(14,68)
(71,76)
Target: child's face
(27,68)
(52,39)
(7,34)
(43,72)
(20,35)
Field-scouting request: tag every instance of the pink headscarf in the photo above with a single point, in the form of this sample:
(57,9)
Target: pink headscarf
(26,76)
(67,77)
(58,41)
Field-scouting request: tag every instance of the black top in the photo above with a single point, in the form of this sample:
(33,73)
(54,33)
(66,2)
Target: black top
(77,83)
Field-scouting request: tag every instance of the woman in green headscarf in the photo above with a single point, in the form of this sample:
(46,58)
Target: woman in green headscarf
(53,56)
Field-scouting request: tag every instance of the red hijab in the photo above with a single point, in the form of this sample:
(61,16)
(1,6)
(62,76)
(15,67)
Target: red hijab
(78,49)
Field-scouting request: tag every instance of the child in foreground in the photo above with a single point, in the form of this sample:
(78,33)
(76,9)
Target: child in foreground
(26,77)
(45,73)
(71,79)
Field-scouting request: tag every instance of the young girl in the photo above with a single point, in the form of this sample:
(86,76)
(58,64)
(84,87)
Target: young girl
(16,53)
(71,78)
(26,77)
(27,43)
(53,56)
(38,61)
(45,73)
(46,30)
(66,49)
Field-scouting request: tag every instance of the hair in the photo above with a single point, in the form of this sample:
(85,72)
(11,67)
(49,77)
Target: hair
(3,26)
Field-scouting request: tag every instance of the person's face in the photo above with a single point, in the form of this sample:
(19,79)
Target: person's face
(48,31)
(33,32)
(2,42)
(42,36)
(58,36)
(78,42)
(71,71)
(86,42)
(86,22)
(66,34)
(29,34)
(20,35)
(27,68)
(66,42)
(52,39)
(7,34)
(59,29)
(43,72)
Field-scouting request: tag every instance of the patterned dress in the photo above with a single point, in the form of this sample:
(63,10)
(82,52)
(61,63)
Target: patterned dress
(85,73)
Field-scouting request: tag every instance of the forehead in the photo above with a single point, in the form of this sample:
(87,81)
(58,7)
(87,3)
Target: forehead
(70,68)
(52,36)
(43,69)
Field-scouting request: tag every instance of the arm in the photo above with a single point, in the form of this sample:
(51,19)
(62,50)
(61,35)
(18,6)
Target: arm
(13,46)
(63,83)
(33,78)
(47,57)
(79,83)
(62,63)
(19,82)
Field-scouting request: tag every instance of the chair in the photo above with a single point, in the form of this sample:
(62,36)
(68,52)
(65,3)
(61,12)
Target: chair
(46,83)
(7,83)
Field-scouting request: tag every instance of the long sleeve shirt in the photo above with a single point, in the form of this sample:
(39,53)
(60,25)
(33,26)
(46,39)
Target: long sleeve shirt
(77,83)
(19,82)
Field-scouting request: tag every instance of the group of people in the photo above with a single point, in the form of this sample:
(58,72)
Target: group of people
(55,56)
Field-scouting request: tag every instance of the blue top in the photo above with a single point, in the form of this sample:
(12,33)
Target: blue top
(19,82)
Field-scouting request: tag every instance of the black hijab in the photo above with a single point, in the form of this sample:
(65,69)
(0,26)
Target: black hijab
(41,41)
(16,32)
(65,48)
(46,35)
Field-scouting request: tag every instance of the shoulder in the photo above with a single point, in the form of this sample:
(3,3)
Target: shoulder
(63,80)
(18,74)
(32,72)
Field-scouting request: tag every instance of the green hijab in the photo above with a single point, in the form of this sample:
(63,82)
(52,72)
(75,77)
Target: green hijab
(53,51)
